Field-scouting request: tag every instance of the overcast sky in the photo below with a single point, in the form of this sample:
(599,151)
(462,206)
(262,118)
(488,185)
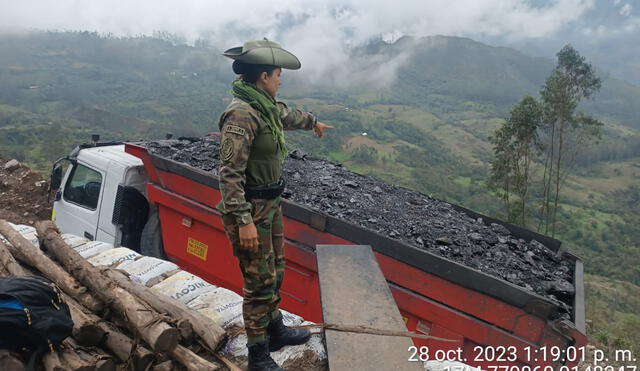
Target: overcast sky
(328,27)
(302,21)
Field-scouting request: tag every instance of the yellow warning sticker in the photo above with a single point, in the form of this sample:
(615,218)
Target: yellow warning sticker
(197,248)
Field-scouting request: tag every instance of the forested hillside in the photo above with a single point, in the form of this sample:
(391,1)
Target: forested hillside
(66,86)
(463,68)
(418,113)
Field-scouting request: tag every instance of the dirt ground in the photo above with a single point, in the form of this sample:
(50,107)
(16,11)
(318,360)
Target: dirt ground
(23,195)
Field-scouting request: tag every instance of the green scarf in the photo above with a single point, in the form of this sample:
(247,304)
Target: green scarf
(265,104)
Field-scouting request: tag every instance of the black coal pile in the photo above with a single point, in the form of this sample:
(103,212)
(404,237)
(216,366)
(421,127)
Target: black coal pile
(414,218)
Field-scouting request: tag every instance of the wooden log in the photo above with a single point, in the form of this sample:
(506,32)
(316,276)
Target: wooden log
(114,340)
(72,361)
(210,332)
(9,262)
(164,366)
(186,331)
(24,251)
(9,362)
(85,327)
(230,365)
(202,325)
(106,365)
(157,333)
(98,359)
(121,345)
(192,361)
(51,362)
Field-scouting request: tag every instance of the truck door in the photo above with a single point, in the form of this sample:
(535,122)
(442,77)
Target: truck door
(79,209)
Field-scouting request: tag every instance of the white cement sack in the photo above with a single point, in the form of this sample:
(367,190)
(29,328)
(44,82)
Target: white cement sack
(183,286)
(448,366)
(74,241)
(93,248)
(125,263)
(26,231)
(114,257)
(223,306)
(148,270)
(236,346)
(32,237)
(22,229)
(290,319)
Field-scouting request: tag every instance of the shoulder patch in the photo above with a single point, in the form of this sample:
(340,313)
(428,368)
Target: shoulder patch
(233,129)
(226,149)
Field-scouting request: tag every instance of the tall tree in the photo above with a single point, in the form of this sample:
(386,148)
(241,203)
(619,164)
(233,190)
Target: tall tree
(501,168)
(516,146)
(566,130)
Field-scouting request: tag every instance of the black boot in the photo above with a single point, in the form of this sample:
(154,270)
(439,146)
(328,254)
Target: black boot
(259,358)
(281,335)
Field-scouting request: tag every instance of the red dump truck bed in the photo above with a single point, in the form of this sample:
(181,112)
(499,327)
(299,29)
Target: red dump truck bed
(491,322)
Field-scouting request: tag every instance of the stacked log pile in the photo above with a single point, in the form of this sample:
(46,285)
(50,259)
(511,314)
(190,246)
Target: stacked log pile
(118,324)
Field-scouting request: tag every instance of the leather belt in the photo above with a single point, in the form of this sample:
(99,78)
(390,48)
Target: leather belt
(265,192)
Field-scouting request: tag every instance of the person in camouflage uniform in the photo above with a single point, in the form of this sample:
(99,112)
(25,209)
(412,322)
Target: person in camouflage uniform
(252,150)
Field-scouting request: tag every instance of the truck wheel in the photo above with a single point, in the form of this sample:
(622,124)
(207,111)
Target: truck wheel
(151,237)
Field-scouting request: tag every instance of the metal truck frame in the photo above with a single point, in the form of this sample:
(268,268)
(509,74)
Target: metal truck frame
(166,208)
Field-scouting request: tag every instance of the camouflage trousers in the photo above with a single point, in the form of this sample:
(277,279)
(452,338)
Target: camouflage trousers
(262,271)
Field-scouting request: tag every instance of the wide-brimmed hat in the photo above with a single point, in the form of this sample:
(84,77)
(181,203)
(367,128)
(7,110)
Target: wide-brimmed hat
(264,52)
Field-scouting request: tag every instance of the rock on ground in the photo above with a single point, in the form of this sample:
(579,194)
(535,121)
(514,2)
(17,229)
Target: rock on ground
(11,165)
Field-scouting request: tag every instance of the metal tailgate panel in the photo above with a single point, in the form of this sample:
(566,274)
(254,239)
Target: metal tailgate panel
(354,292)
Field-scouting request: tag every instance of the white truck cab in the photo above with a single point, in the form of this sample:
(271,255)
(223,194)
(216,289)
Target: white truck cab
(101,195)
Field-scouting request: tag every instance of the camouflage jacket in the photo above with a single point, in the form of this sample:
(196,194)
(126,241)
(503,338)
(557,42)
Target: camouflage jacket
(249,154)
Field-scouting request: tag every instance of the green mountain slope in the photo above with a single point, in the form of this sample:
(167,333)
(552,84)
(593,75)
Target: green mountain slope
(465,69)
(612,314)
(116,86)
(427,130)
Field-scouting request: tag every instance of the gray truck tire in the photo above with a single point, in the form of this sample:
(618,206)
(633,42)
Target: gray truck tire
(151,237)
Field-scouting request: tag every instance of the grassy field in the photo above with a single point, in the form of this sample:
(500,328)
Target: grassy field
(613,320)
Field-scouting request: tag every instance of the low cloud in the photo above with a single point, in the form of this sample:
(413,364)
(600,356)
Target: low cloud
(322,33)
(301,23)
(626,10)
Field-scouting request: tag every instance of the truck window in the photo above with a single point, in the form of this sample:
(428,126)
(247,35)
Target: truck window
(83,187)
